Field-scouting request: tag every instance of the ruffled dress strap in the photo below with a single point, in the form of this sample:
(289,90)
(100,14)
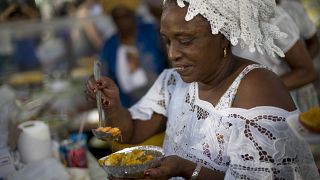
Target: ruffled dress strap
(228,97)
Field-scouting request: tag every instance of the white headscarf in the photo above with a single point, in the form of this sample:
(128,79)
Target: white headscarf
(247,20)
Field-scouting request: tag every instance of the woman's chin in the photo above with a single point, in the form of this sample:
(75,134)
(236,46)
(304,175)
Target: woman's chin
(186,75)
(187,79)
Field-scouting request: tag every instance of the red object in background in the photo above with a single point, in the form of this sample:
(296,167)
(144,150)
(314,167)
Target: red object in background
(77,157)
(73,154)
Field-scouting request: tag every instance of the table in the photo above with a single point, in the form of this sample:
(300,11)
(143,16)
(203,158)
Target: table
(95,171)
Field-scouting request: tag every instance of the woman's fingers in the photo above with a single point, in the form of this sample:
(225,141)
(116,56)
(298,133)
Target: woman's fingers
(113,178)
(110,92)
(105,102)
(90,93)
(91,85)
(105,82)
(156,164)
(155,170)
(156,173)
(89,97)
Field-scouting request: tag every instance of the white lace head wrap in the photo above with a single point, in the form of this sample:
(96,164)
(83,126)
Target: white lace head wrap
(247,20)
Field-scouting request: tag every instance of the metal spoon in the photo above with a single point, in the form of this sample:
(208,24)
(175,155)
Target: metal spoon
(105,136)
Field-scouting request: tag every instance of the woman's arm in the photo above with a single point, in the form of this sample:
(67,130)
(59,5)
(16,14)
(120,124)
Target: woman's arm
(261,141)
(262,87)
(89,27)
(4,15)
(30,12)
(133,131)
(302,69)
(313,45)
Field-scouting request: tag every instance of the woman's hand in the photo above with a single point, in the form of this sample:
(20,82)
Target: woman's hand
(110,91)
(175,166)
(113,178)
(170,166)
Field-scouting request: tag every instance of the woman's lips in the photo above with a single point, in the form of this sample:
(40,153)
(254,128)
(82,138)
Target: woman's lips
(179,68)
(182,68)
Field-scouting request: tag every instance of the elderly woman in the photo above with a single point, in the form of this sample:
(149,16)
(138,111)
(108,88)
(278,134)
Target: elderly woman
(224,117)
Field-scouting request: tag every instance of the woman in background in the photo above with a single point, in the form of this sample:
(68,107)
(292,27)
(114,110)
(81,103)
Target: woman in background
(296,69)
(134,56)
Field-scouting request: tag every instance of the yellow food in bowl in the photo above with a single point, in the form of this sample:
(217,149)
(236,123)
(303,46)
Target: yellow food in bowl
(134,157)
(311,119)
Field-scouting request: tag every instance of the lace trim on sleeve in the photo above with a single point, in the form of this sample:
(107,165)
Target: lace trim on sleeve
(287,25)
(157,98)
(262,146)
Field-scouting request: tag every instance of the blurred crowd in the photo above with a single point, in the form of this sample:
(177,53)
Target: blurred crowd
(45,46)
(53,36)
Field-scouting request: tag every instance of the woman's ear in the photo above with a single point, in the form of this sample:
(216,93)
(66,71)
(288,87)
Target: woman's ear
(225,43)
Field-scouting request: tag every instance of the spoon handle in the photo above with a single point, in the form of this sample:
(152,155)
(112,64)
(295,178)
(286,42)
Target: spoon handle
(97,75)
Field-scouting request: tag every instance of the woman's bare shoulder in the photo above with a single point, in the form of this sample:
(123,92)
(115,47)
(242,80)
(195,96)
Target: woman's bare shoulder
(261,87)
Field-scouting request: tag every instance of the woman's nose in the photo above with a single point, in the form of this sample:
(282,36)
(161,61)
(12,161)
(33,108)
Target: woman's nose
(173,52)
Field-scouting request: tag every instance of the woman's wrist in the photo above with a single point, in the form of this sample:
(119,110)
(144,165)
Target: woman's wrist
(113,109)
(187,168)
(196,172)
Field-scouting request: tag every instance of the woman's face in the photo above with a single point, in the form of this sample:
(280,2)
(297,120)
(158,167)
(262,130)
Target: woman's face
(124,20)
(192,49)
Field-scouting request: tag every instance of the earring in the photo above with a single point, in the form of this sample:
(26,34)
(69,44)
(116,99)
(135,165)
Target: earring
(225,52)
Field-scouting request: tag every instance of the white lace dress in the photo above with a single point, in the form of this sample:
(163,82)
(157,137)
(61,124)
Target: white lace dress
(244,143)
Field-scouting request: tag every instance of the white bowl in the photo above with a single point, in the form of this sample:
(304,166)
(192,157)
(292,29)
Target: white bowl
(301,131)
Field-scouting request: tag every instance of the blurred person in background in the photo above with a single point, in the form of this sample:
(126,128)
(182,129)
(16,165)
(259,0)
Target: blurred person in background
(17,11)
(134,55)
(89,29)
(90,9)
(309,36)
(150,11)
(6,44)
(155,8)
(24,56)
(312,7)
(296,69)
(307,29)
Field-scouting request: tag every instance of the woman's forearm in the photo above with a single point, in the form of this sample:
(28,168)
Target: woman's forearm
(302,70)
(313,46)
(298,78)
(204,173)
(120,117)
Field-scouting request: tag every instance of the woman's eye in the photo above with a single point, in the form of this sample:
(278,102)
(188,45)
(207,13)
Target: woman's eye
(186,41)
